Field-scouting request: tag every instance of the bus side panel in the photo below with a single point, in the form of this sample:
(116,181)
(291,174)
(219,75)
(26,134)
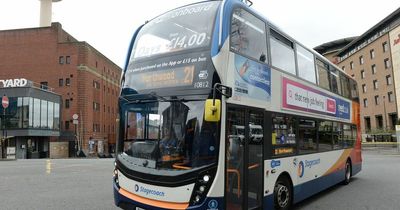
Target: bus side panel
(312,187)
(310,174)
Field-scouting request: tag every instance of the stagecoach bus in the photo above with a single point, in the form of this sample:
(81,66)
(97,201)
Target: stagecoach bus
(220,109)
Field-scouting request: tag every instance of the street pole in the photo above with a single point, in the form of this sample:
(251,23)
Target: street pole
(3,132)
(76,142)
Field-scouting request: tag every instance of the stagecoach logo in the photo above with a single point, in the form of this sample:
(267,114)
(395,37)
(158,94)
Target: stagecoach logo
(203,74)
(306,164)
(275,163)
(213,205)
(300,169)
(144,190)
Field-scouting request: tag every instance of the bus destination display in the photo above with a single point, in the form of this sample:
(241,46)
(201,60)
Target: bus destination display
(176,77)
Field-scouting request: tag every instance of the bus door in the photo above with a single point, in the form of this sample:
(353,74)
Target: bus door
(244,158)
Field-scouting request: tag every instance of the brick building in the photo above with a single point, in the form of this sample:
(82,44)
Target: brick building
(87,81)
(373,59)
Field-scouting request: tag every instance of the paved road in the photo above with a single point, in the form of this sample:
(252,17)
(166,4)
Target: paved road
(86,184)
(56,184)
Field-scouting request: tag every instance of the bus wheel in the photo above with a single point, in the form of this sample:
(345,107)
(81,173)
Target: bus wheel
(347,174)
(283,194)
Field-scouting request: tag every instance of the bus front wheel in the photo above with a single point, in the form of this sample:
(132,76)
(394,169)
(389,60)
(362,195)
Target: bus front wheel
(283,195)
(347,174)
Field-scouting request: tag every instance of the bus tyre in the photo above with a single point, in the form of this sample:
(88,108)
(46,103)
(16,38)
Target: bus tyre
(347,174)
(283,195)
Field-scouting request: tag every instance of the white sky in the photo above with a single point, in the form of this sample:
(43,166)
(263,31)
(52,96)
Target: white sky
(109,25)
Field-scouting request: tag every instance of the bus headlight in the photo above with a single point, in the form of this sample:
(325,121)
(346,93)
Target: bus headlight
(115,176)
(197,198)
(206,178)
(201,188)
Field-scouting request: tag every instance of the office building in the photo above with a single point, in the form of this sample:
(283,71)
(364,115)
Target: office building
(373,59)
(86,80)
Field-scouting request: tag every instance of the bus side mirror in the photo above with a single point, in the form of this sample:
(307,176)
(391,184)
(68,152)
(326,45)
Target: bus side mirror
(212,110)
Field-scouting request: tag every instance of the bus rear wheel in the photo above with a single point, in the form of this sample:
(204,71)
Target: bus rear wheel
(283,195)
(347,174)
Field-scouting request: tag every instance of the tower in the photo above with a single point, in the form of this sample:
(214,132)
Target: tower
(45,12)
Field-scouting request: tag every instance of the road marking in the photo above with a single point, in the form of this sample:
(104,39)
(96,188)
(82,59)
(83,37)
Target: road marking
(48,166)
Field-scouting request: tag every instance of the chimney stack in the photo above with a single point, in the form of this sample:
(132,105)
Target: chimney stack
(46,12)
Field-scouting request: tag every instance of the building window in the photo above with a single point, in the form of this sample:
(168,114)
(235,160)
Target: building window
(372,54)
(373,68)
(61,60)
(393,120)
(343,68)
(66,125)
(376,100)
(390,96)
(387,63)
(67,103)
(389,80)
(362,74)
(61,82)
(379,121)
(375,82)
(367,122)
(96,106)
(67,82)
(67,59)
(44,85)
(96,127)
(361,58)
(385,46)
(351,65)
(365,102)
(364,88)
(96,84)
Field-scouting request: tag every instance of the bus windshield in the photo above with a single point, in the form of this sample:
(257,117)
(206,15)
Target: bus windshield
(180,29)
(168,135)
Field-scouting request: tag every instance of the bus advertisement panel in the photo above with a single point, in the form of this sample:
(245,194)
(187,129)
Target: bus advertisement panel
(298,96)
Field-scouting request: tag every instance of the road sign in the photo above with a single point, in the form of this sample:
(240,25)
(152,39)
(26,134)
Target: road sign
(5,102)
(75,116)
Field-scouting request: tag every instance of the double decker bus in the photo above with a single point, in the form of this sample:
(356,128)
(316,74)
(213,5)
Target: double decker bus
(220,109)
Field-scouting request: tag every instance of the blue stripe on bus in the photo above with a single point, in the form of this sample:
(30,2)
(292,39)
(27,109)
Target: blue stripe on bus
(215,38)
(227,10)
(128,56)
(355,168)
(312,187)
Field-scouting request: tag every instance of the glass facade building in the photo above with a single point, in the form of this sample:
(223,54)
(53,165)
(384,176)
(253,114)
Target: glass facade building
(30,113)
(29,123)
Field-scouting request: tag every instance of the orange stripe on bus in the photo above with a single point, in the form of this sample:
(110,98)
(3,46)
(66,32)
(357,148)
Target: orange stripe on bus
(340,162)
(151,202)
